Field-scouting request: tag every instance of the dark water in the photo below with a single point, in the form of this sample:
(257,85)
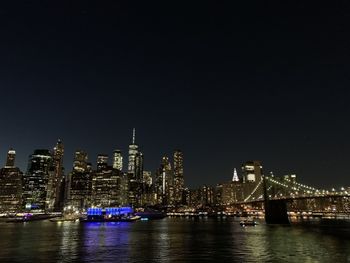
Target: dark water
(172,240)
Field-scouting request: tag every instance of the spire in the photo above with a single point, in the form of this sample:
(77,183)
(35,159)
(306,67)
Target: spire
(235,176)
(133,136)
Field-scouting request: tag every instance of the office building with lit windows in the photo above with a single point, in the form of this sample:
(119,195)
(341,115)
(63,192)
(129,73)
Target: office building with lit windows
(10,186)
(35,180)
(179,184)
(117,160)
(56,182)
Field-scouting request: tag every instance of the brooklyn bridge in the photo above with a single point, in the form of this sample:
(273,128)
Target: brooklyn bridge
(278,197)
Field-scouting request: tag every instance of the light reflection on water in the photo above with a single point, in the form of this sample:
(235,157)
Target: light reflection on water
(172,240)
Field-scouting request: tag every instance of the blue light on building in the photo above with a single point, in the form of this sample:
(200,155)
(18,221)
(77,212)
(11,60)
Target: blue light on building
(94,212)
(110,211)
(119,211)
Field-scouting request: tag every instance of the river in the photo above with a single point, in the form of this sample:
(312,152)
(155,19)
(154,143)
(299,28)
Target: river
(172,240)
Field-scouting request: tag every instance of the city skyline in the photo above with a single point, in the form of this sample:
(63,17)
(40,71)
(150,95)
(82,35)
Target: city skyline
(112,159)
(151,131)
(223,84)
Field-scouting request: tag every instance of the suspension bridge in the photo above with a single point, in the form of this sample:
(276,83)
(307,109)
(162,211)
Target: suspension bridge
(278,194)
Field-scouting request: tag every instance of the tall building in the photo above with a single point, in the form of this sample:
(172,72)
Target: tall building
(10,185)
(147,178)
(10,160)
(135,173)
(80,161)
(55,188)
(102,162)
(139,167)
(252,171)
(179,184)
(107,188)
(133,151)
(252,176)
(78,185)
(235,176)
(164,183)
(35,180)
(117,160)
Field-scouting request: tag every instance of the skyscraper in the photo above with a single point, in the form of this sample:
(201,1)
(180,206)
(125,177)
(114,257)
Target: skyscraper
(139,167)
(78,185)
(102,162)
(178,177)
(117,160)
(235,176)
(10,160)
(164,183)
(135,172)
(35,180)
(107,187)
(252,171)
(80,161)
(55,188)
(133,151)
(252,176)
(147,178)
(10,185)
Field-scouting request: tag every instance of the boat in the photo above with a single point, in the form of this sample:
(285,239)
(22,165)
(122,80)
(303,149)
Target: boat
(150,214)
(248,222)
(110,214)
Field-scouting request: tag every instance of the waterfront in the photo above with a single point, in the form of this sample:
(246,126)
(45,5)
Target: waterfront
(172,240)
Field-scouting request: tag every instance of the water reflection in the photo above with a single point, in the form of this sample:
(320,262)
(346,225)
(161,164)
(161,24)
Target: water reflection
(105,242)
(69,248)
(171,240)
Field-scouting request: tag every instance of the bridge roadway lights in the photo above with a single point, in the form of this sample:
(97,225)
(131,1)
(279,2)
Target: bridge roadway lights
(276,212)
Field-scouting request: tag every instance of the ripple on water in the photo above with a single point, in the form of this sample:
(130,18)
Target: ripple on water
(171,240)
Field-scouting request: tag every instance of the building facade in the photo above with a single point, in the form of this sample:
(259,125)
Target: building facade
(10,186)
(35,180)
(55,188)
(179,183)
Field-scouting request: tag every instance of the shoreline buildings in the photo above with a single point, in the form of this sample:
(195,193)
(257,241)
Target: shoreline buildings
(46,187)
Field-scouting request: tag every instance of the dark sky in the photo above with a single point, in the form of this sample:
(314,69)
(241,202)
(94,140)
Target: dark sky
(224,83)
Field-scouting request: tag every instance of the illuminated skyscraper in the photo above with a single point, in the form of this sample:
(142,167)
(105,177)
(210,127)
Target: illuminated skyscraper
(35,180)
(139,167)
(252,176)
(135,172)
(80,161)
(133,151)
(178,177)
(148,194)
(78,186)
(107,188)
(117,160)
(147,178)
(10,185)
(252,171)
(164,183)
(10,160)
(102,162)
(235,176)
(55,188)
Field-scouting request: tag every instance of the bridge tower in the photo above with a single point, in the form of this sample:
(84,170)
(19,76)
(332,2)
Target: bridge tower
(275,210)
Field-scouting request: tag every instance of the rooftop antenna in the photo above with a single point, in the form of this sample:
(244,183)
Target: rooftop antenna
(133,136)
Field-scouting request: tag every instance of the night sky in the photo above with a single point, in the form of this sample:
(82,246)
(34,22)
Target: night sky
(224,83)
